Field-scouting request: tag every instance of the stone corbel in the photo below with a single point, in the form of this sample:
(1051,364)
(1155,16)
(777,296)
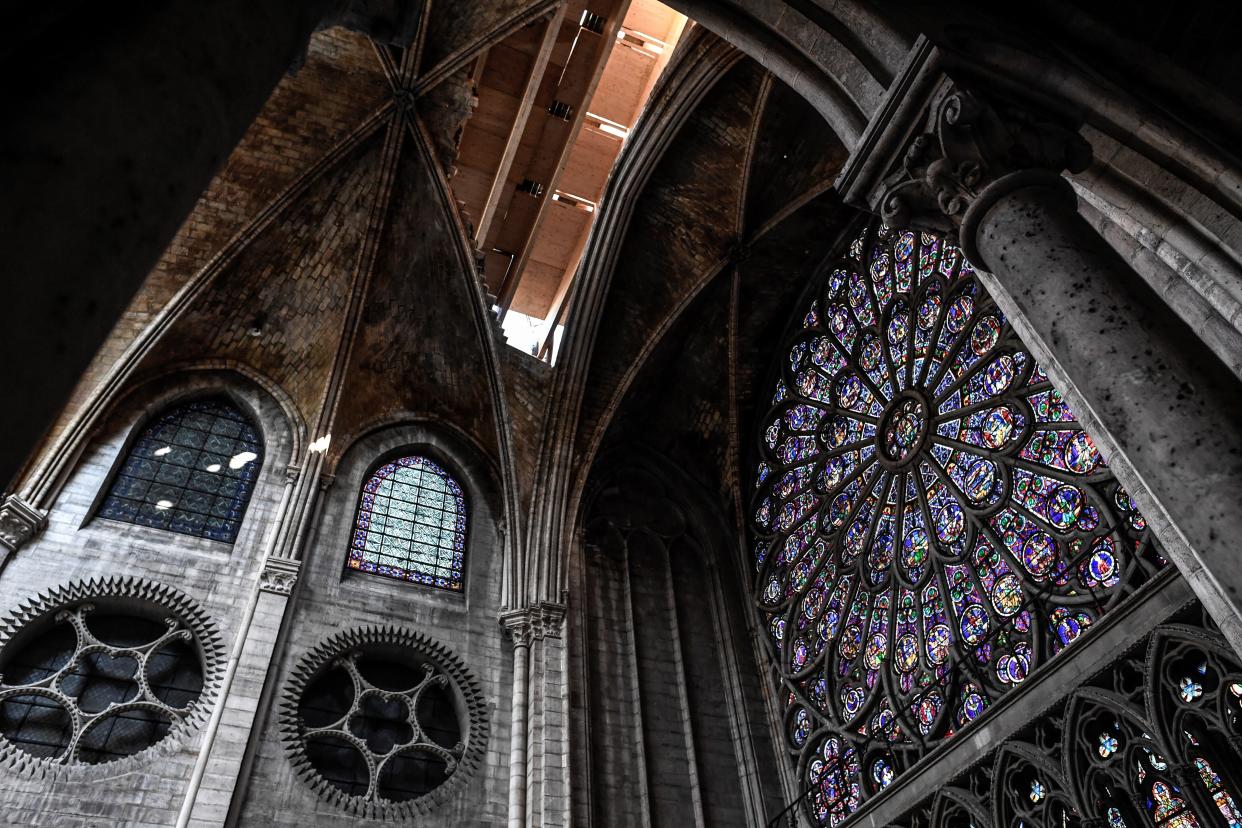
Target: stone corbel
(543,620)
(279,575)
(19,522)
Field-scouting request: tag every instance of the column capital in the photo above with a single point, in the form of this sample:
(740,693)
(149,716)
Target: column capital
(279,575)
(971,149)
(19,522)
(542,620)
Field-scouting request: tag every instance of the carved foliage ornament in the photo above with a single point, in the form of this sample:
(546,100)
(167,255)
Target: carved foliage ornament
(968,144)
(279,575)
(19,522)
(538,622)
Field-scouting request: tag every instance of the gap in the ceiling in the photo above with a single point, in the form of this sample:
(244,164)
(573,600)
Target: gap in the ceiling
(557,101)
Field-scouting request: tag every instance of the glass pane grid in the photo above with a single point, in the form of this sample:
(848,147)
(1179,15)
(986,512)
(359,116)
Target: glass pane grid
(191,471)
(411,525)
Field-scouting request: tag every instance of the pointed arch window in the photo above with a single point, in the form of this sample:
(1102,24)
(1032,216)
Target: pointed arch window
(191,470)
(411,524)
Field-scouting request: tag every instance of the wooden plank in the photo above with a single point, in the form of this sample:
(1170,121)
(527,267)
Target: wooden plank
(500,180)
(578,83)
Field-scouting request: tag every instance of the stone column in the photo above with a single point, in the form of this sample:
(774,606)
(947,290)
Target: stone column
(518,626)
(239,708)
(116,118)
(538,747)
(1160,405)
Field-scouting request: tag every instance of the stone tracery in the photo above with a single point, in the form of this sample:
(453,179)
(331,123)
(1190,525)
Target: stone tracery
(979,141)
(932,524)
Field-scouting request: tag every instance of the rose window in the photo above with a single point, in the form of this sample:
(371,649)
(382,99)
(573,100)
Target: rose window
(382,722)
(95,685)
(931,522)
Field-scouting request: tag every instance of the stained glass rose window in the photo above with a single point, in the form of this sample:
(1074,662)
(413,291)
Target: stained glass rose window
(930,521)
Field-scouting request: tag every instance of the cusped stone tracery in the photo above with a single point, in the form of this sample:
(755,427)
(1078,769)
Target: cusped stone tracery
(103,673)
(931,523)
(383,722)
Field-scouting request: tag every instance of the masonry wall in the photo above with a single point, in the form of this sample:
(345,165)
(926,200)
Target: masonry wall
(330,600)
(666,734)
(217,576)
(315,106)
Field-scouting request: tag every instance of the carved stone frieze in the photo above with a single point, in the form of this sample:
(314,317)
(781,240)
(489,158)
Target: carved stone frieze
(19,522)
(279,575)
(544,620)
(967,144)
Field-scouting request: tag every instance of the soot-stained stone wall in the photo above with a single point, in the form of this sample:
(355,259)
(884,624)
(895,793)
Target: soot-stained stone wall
(659,639)
(312,109)
(76,546)
(332,600)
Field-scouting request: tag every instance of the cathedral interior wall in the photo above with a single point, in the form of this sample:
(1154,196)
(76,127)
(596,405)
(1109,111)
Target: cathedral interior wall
(656,707)
(77,546)
(332,600)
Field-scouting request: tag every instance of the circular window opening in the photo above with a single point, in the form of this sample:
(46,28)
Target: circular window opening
(382,725)
(383,722)
(86,683)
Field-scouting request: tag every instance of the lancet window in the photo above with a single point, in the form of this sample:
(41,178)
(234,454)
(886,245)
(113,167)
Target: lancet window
(191,470)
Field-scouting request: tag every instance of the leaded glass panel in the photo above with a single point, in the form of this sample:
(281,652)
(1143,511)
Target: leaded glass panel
(931,522)
(191,470)
(411,524)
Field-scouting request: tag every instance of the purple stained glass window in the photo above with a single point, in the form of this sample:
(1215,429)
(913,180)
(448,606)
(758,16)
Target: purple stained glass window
(930,521)
(191,470)
(411,524)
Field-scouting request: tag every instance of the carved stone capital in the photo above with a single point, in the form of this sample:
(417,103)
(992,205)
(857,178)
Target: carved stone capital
(19,522)
(968,145)
(544,620)
(279,575)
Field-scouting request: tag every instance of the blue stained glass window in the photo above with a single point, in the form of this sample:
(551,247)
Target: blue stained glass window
(191,470)
(411,524)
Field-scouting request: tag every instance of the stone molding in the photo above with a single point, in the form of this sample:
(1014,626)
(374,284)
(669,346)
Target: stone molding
(279,575)
(935,146)
(19,522)
(543,620)
(968,143)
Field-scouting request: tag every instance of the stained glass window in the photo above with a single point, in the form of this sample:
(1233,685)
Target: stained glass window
(1219,793)
(411,524)
(930,520)
(191,470)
